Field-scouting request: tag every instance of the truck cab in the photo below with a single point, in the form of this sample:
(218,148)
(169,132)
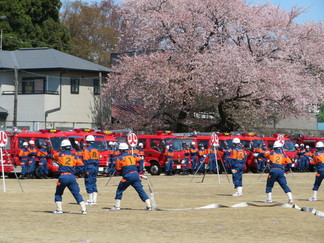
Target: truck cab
(154,147)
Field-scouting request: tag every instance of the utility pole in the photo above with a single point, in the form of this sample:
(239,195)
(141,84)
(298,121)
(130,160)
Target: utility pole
(15,98)
(100,102)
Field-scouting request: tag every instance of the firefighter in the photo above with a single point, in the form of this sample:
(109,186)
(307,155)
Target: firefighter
(261,150)
(186,152)
(91,164)
(212,154)
(169,160)
(42,156)
(194,157)
(67,162)
(32,152)
(279,163)
(238,160)
(126,167)
(202,155)
(227,157)
(112,158)
(301,159)
(79,170)
(308,155)
(141,155)
(23,156)
(319,166)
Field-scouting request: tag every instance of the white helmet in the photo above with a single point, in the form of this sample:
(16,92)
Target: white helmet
(90,138)
(76,142)
(167,147)
(193,143)
(25,144)
(277,144)
(31,142)
(236,140)
(65,143)
(307,146)
(319,144)
(301,145)
(296,145)
(140,145)
(123,146)
(111,143)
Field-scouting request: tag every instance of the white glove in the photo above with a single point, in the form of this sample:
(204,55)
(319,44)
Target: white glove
(233,171)
(143,177)
(292,165)
(204,155)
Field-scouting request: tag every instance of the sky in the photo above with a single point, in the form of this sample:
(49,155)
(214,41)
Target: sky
(315,7)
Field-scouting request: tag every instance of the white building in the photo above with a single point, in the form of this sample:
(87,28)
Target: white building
(53,90)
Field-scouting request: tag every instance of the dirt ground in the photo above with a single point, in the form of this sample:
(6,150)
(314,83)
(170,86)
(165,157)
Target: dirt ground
(27,216)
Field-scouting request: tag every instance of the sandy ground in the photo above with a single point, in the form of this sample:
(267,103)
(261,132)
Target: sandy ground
(27,216)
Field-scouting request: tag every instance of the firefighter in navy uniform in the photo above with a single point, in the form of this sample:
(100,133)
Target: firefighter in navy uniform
(23,157)
(194,157)
(79,170)
(67,162)
(238,160)
(32,152)
(169,160)
(42,156)
(262,151)
(213,155)
(202,154)
(141,154)
(186,152)
(319,166)
(279,163)
(91,164)
(111,158)
(126,167)
(227,157)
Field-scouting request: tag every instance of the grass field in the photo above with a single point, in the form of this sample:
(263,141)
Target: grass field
(27,216)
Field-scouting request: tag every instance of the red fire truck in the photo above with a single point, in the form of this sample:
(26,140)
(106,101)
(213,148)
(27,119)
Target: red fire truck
(307,140)
(52,138)
(154,147)
(288,147)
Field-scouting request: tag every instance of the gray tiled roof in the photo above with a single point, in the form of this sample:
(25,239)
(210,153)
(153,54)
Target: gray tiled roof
(46,58)
(3,111)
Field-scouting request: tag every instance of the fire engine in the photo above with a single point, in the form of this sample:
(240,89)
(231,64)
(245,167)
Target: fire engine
(307,140)
(100,143)
(52,138)
(154,147)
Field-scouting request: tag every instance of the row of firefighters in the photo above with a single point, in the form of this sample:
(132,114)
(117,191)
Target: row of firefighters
(30,154)
(194,158)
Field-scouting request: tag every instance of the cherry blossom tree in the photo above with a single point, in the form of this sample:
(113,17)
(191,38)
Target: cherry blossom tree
(215,64)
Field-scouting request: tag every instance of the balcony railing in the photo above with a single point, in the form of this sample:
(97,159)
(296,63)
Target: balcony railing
(35,92)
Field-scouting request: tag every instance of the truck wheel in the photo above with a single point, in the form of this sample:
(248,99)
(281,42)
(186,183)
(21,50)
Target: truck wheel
(155,169)
(37,173)
(12,175)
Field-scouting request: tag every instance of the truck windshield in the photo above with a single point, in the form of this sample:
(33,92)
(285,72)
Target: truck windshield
(174,142)
(55,141)
(100,143)
(289,146)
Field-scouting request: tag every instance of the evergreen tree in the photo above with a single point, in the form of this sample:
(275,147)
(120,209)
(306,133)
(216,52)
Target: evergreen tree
(32,23)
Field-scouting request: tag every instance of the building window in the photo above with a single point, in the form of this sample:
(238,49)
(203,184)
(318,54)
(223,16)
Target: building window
(75,83)
(96,86)
(32,86)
